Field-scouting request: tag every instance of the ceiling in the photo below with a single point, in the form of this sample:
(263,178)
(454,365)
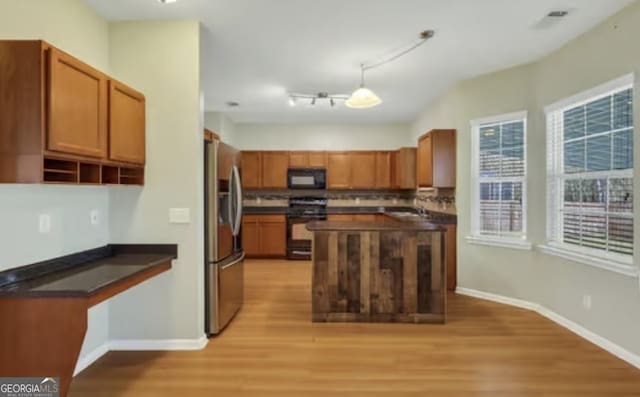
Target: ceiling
(255,51)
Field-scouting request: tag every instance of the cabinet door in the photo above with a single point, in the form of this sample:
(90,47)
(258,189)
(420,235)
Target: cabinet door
(444,158)
(425,161)
(405,168)
(317,159)
(339,170)
(77,107)
(298,159)
(383,170)
(126,124)
(251,236)
(363,170)
(450,257)
(273,235)
(274,170)
(251,168)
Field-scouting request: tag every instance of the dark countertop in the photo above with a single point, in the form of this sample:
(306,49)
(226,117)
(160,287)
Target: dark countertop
(264,210)
(439,218)
(409,226)
(84,273)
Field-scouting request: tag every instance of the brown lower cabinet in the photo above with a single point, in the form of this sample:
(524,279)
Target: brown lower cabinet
(264,236)
(450,257)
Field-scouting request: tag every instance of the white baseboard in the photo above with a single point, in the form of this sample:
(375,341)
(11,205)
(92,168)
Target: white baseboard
(497,298)
(158,344)
(578,329)
(85,361)
(139,345)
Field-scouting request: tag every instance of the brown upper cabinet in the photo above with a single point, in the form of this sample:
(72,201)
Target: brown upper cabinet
(403,168)
(251,168)
(383,170)
(305,159)
(437,159)
(363,170)
(339,170)
(274,170)
(77,98)
(126,124)
(55,115)
(345,169)
(264,169)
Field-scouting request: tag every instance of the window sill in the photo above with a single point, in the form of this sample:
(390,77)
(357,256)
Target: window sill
(518,244)
(627,269)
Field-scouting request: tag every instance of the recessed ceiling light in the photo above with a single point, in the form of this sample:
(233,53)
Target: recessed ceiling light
(167,1)
(558,14)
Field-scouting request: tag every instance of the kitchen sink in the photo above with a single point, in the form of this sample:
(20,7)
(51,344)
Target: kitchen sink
(408,216)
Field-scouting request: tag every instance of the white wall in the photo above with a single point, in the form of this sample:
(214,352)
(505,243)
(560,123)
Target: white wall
(161,59)
(221,125)
(321,136)
(607,52)
(74,27)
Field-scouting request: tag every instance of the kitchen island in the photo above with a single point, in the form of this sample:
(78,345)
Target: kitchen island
(378,271)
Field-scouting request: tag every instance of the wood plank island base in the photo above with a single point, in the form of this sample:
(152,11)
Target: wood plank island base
(385,271)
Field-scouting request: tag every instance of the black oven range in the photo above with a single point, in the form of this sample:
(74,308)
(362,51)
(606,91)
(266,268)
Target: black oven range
(301,211)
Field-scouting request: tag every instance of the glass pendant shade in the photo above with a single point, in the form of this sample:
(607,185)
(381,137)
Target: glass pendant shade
(363,98)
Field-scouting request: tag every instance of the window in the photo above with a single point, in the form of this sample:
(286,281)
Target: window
(590,172)
(499,162)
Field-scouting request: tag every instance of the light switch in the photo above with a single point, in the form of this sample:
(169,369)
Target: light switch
(95,217)
(179,215)
(44,223)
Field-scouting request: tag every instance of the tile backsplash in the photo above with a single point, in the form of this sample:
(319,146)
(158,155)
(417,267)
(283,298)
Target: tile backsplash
(440,201)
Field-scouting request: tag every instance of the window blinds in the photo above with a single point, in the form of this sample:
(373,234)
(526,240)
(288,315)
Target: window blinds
(590,172)
(501,187)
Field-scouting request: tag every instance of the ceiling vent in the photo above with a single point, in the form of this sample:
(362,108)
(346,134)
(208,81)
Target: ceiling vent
(551,19)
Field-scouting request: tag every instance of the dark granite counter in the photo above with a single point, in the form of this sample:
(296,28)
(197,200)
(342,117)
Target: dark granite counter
(319,226)
(264,210)
(85,273)
(433,216)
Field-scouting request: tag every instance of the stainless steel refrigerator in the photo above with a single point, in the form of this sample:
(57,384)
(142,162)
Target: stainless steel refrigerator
(224,254)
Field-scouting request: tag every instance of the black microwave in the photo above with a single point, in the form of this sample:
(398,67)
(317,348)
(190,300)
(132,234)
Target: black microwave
(305,178)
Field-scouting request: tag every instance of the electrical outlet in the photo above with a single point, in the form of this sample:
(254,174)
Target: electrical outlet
(95,217)
(395,201)
(586,302)
(44,223)
(357,200)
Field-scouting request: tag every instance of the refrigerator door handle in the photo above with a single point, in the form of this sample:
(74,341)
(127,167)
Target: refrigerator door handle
(237,222)
(232,220)
(228,265)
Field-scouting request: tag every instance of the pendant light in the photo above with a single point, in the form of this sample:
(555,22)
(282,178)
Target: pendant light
(363,98)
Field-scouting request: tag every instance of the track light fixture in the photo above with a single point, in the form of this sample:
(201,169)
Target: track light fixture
(314,99)
(363,97)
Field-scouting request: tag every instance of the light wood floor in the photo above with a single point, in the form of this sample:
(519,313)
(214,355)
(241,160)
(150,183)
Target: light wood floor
(272,349)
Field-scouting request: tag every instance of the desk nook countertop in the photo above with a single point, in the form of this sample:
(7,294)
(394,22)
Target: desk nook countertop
(383,271)
(46,304)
